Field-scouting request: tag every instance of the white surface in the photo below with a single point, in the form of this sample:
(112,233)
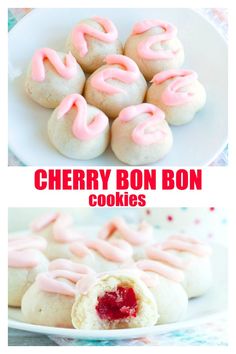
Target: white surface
(197,143)
(200,310)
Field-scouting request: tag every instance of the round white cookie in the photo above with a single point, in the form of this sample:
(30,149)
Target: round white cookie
(183,111)
(188,255)
(111,103)
(148,66)
(115,300)
(140,151)
(198,274)
(165,285)
(99,263)
(97,49)
(20,279)
(63,138)
(59,231)
(171,298)
(139,236)
(53,88)
(49,300)
(102,256)
(47,309)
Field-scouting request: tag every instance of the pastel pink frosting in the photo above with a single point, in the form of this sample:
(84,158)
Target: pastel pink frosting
(80,128)
(82,30)
(136,237)
(62,277)
(115,251)
(145,49)
(61,223)
(174,94)
(128,74)
(179,243)
(66,69)
(170,265)
(140,134)
(25,252)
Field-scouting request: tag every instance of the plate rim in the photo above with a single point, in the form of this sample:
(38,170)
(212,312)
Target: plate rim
(113,333)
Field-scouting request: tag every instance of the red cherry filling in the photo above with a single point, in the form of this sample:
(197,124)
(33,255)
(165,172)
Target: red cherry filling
(118,304)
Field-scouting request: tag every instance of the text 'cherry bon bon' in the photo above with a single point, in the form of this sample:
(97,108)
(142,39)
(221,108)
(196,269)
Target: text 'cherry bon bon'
(112,187)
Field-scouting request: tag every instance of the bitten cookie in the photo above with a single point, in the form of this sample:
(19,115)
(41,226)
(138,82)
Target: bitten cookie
(192,257)
(25,262)
(78,130)
(138,236)
(49,300)
(178,93)
(92,40)
(116,85)
(115,300)
(141,135)
(59,231)
(154,46)
(52,76)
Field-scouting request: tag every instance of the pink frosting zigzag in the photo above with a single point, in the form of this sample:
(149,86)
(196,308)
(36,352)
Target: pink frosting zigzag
(115,251)
(66,70)
(128,74)
(140,136)
(62,277)
(23,252)
(143,234)
(82,29)
(81,130)
(173,95)
(144,48)
(61,227)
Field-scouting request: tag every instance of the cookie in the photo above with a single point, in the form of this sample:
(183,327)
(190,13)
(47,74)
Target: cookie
(178,93)
(155,47)
(91,40)
(51,76)
(78,130)
(116,85)
(141,135)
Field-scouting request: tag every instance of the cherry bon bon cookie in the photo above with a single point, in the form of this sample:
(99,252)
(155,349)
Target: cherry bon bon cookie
(49,300)
(115,300)
(115,85)
(154,46)
(53,75)
(102,255)
(190,256)
(59,231)
(164,282)
(141,135)
(91,40)
(138,236)
(78,130)
(178,93)
(25,262)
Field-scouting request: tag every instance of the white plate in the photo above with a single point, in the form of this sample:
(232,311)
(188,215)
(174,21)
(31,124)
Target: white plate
(200,310)
(197,143)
